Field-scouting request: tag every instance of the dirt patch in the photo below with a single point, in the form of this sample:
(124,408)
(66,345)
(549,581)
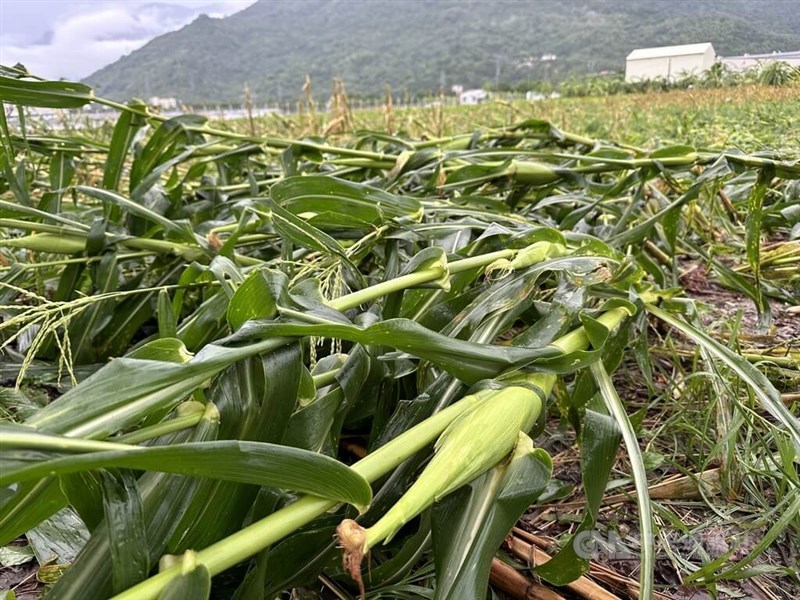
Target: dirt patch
(723,305)
(22,580)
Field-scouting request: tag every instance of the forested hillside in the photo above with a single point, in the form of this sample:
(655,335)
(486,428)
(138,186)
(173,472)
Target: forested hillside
(418,45)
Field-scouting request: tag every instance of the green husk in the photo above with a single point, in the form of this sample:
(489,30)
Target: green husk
(471,445)
(531,255)
(47,242)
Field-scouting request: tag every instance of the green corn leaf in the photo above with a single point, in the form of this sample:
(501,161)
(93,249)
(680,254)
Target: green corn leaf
(599,441)
(205,324)
(62,170)
(138,210)
(87,326)
(167,328)
(403,562)
(468,361)
(252,405)
(12,209)
(298,560)
(646,530)
(247,462)
(304,234)
(327,197)
(755,209)
(129,316)
(642,230)
(126,390)
(45,94)
(165,498)
(129,123)
(58,539)
(253,584)
(27,506)
(84,493)
(165,142)
(126,529)
(310,427)
(253,299)
(139,193)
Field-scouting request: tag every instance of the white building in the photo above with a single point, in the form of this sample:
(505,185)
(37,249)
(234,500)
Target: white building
(163,103)
(669,62)
(473,97)
(532,96)
(749,61)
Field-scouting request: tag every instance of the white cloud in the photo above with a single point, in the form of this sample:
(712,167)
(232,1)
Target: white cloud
(102,32)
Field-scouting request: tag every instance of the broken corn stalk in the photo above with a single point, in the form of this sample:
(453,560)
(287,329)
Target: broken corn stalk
(276,526)
(63,243)
(472,444)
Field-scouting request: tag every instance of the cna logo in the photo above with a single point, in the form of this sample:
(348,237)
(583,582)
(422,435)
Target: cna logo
(607,546)
(596,545)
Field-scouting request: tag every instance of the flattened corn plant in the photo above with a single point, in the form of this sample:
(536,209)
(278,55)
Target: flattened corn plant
(229,322)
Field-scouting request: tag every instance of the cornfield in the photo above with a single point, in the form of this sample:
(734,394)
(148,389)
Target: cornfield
(243,366)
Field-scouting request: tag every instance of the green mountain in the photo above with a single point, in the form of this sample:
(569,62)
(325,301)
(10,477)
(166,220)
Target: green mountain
(420,45)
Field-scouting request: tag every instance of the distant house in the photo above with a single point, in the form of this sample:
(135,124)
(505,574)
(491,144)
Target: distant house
(748,61)
(163,103)
(669,62)
(473,96)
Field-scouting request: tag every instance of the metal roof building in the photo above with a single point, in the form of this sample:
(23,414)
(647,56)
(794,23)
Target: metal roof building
(748,61)
(669,62)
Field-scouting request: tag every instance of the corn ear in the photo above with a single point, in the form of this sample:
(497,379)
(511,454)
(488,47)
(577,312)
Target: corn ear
(472,444)
(47,242)
(532,173)
(530,255)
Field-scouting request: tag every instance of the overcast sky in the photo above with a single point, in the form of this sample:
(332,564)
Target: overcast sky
(72,39)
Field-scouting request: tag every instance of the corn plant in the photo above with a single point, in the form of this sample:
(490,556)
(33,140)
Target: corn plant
(229,321)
